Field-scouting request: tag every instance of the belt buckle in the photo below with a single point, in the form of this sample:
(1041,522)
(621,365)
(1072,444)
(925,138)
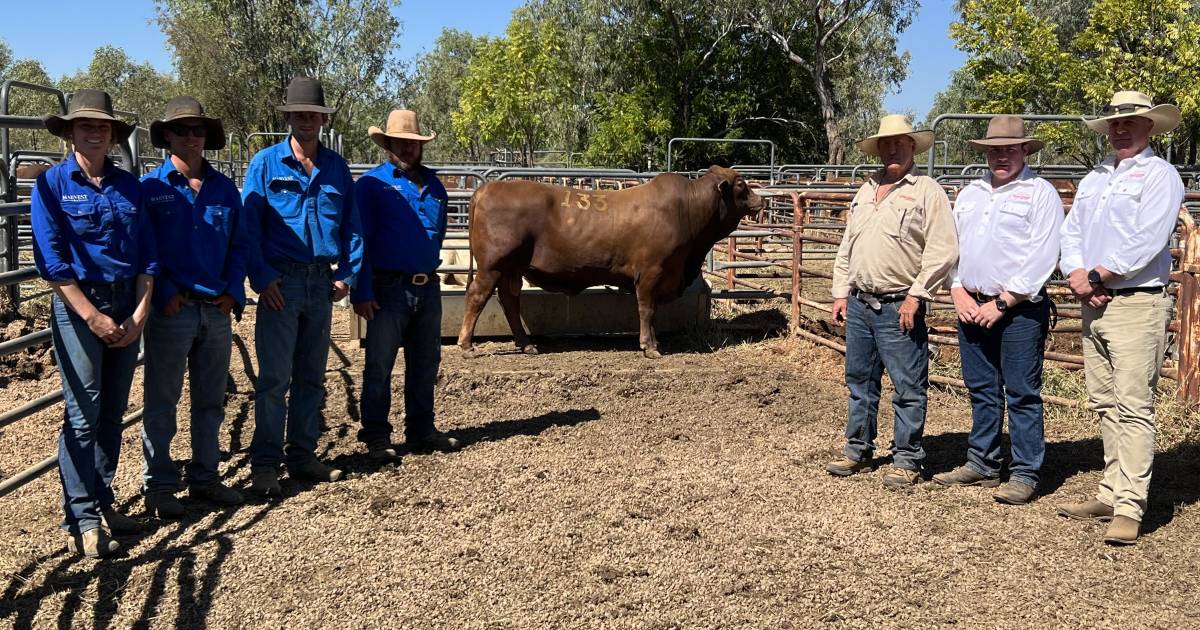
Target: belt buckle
(420,279)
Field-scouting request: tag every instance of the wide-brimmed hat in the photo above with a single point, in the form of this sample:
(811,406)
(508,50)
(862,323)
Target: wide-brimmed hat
(1005,130)
(1130,103)
(182,108)
(305,94)
(93,104)
(896,125)
(401,123)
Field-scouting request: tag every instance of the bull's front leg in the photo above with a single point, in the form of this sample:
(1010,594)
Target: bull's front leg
(646,305)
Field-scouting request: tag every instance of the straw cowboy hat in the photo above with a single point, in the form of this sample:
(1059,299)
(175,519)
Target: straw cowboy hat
(1126,104)
(896,125)
(305,94)
(183,108)
(93,104)
(1005,130)
(401,123)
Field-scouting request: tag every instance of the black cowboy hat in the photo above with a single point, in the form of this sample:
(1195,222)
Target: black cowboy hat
(305,94)
(93,104)
(182,108)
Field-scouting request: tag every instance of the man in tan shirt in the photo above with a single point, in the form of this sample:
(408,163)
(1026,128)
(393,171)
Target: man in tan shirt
(900,245)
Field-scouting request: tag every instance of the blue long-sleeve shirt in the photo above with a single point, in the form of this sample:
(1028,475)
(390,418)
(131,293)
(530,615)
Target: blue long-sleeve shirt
(297,218)
(404,226)
(90,233)
(201,239)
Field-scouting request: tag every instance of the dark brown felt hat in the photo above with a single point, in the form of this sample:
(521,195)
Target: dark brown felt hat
(1004,130)
(93,104)
(183,108)
(305,94)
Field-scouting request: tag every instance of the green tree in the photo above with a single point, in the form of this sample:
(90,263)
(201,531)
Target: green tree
(435,91)
(137,88)
(28,103)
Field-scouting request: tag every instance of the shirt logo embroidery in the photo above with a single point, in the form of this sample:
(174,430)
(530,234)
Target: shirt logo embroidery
(1022,196)
(74,197)
(162,198)
(908,198)
(1137,174)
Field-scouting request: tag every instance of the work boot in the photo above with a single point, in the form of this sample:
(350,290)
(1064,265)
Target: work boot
(1122,531)
(845,466)
(382,450)
(436,441)
(93,543)
(215,492)
(164,505)
(898,477)
(1014,493)
(265,483)
(965,476)
(1087,511)
(314,470)
(118,523)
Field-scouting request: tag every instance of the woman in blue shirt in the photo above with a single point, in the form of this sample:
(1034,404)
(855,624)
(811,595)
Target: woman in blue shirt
(93,245)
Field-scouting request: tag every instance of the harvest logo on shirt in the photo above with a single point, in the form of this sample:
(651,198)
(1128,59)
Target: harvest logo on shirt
(1021,196)
(908,198)
(74,197)
(162,198)
(1137,174)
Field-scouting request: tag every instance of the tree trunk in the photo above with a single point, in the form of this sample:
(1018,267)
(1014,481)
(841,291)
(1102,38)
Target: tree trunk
(833,132)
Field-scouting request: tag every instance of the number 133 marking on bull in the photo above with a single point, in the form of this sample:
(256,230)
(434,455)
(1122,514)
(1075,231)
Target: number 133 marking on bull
(583,201)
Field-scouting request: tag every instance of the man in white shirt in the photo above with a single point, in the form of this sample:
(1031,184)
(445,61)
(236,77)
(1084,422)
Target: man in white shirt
(1008,223)
(1116,258)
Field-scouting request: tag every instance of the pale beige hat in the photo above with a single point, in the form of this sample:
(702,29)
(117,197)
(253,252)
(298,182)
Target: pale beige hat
(1130,103)
(401,123)
(896,125)
(1004,130)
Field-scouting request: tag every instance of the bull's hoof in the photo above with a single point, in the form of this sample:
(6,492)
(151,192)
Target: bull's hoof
(469,352)
(652,353)
(529,349)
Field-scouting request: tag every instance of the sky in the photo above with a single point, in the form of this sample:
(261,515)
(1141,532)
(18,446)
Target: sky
(129,24)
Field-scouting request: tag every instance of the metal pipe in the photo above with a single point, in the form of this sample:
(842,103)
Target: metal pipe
(672,141)
(25,341)
(50,463)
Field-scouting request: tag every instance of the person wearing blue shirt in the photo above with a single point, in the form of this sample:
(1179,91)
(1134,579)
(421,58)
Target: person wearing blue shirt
(301,219)
(403,208)
(196,214)
(93,245)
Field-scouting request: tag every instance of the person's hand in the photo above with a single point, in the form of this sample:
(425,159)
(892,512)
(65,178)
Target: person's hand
(1099,298)
(1079,284)
(908,313)
(175,304)
(988,315)
(225,303)
(104,327)
(132,329)
(340,290)
(838,314)
(272,296)
(366,310)
(965,306)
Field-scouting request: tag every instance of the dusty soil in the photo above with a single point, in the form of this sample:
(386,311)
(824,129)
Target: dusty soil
(601,489)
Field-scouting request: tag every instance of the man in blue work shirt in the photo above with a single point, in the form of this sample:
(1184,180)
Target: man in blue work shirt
(403,207)
(301,219)
(196,214)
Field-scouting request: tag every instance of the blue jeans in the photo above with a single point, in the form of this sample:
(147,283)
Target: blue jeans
(874,342)
(292,347)
(96,381)
(1005,363)
(198,339)
(409,317)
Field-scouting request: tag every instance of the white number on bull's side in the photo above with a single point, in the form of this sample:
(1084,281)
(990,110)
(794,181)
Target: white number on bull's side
(585,201)
(602,203)
(567,200)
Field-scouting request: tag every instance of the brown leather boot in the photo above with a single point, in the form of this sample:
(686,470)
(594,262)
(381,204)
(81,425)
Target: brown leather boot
(1014,493)
(93,543)
(1087,511)
(845,466)
(1122,531)
(965,476)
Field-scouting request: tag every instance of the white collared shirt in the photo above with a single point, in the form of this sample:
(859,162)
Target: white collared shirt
(1007,236)
(1122,220)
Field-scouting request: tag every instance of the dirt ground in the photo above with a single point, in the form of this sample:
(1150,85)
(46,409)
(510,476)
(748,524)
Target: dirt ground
(601,489)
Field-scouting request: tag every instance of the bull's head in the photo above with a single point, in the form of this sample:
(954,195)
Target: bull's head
(737,200)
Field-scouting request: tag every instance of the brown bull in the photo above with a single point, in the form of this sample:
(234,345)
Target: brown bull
(651,239)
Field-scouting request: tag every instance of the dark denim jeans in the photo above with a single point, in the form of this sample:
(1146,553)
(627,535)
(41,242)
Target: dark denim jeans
(96,381)
(874,342)
(410,317)
(292,347)
(198,339)
(1007,357)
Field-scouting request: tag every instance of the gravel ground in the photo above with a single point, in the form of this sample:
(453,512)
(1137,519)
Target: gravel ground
(601,489)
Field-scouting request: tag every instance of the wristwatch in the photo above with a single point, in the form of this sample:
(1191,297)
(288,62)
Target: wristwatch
(1094,278)
(1001,305)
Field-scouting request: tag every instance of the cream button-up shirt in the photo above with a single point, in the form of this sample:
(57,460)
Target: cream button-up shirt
(906,243)
(1007,236)
(1122,219)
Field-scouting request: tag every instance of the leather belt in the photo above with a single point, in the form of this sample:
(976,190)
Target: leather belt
(388,278)
(1133,290)
(196,296)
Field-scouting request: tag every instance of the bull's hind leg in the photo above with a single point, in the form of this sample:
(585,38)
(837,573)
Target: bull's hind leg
(646,305)
(478,294)
(509,292)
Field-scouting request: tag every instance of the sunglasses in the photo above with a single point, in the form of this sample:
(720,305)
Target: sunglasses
(1109,110)
(182,131)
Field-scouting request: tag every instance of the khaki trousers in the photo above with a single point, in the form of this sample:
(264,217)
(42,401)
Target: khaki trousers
(1123,347)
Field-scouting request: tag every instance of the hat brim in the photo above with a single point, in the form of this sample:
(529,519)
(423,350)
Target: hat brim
(1032,145)
(1166,117)
(379,136)
(922,139)
(214,141)
(305,108)
(57,125)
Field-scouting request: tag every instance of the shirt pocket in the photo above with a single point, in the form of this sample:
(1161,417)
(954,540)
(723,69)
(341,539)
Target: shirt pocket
(217,218)
(330,204)
(82,218)
(963,212)
(285,197)
(1012,222)
(903,222)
